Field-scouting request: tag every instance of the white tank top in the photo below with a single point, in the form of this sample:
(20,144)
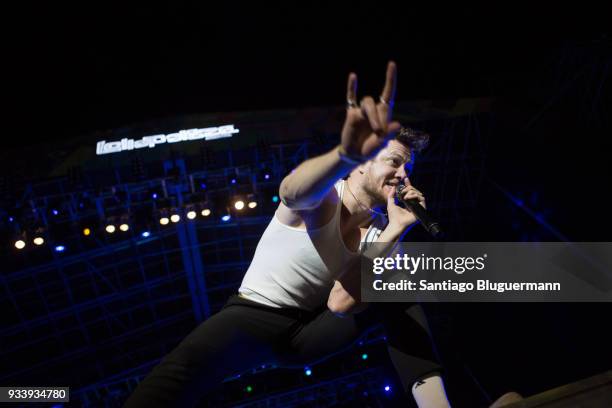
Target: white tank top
(296,268)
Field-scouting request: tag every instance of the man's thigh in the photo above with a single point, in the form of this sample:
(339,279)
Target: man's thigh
(329,333)
(236,339)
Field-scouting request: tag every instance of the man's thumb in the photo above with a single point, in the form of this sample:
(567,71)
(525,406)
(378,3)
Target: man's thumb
(391,198)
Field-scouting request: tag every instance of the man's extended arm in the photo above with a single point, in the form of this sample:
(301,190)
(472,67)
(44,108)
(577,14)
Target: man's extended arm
(365,131)
(308,184)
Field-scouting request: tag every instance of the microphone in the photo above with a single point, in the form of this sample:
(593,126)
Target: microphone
(419,212)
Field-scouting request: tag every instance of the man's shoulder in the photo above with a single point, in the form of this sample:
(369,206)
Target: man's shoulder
(313,217)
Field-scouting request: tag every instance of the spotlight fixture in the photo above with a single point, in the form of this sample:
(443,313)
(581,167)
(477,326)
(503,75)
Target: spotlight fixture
(175,218)
(110,228)
(124,227)
(38,241)
(20,244)
(206,212)
(164,220)
(239,205)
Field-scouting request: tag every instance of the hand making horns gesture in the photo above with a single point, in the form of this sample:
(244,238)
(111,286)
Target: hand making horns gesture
(368,125)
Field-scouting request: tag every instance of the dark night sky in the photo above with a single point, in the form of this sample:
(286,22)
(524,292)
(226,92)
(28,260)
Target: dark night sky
(73,70)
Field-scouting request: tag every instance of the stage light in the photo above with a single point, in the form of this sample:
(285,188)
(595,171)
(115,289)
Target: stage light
(54,212)
(11,219)
(275,199)
(307,372)
(175,218)
(239,205)
(252,204)
(124,227)
(264,173)
(206,212)
(86,232)
(364,356)
(249,388)
(226,218)
(164,220)
(20,244)
(110,228)
(233,181)
(38,241)
(145,234)
(154,195)
(387,388)
(191,214)
(60,248)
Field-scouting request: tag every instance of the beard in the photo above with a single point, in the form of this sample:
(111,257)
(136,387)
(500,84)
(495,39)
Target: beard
(375,193)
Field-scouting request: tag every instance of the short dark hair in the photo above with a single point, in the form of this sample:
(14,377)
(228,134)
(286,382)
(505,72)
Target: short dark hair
(415,140)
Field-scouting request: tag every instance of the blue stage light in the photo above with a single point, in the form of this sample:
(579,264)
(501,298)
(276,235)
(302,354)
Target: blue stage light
(55,212)
(275,199)
(226,218)
(364,356)
(60,248)
(387,388)
(154,196)
(145,234)
(307,372)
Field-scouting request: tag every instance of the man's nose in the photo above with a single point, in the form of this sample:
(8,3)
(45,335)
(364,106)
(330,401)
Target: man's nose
(402,176)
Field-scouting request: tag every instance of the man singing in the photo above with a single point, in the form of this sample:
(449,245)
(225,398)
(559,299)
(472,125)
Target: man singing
(299,299)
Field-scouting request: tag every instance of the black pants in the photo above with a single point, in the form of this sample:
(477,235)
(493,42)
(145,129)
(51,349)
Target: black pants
(245,334)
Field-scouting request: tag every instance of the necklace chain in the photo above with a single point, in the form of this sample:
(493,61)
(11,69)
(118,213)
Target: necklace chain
(370,210)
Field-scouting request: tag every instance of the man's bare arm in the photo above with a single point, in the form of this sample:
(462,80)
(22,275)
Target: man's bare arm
(308,184)
(345,296)
(366,130)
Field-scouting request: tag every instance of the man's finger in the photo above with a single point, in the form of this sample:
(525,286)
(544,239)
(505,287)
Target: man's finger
(409,194)
(368,107)
(351,89)
(388,93)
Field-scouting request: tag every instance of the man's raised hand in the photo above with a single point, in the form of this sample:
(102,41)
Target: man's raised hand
(368,124)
